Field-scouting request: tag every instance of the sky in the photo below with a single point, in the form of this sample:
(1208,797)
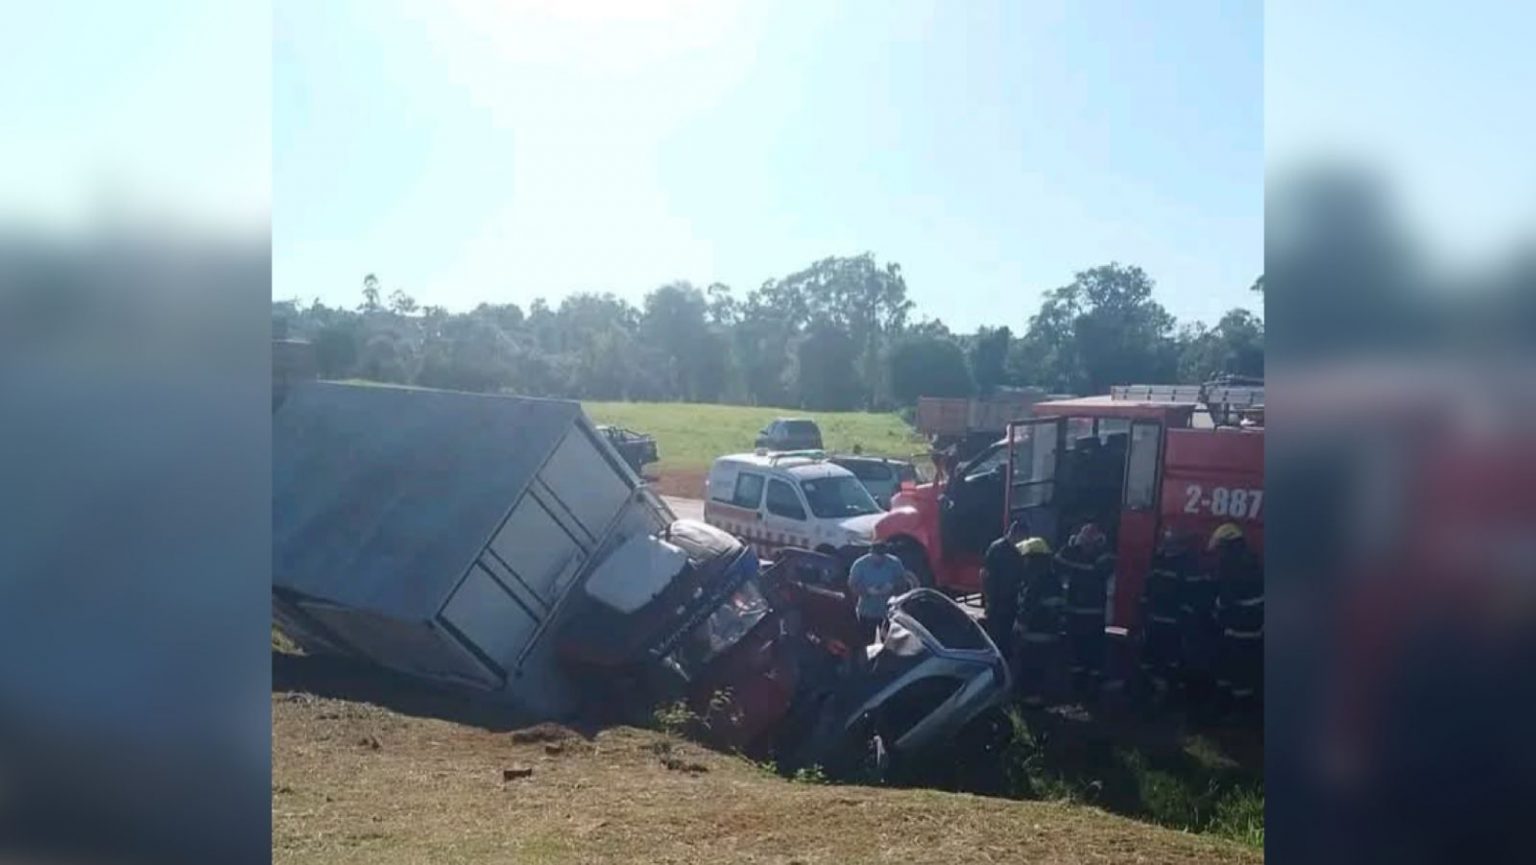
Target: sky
(155,110)
(508,150)
(1433,98)
(505,151)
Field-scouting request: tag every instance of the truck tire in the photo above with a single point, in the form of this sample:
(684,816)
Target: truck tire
(915,559)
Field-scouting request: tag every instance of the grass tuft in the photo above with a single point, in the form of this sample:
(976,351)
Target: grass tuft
(1197,789)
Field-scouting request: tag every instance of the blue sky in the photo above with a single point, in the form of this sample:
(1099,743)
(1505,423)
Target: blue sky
(501,151)
(1435,97)
(482,151)
(135,111)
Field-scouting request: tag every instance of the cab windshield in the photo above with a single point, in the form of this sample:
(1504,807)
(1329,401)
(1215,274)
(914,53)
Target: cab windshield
(838,497)
(733,619)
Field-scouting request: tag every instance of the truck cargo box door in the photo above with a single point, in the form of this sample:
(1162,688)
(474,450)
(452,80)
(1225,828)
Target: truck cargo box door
(538,550)
(583,480)
(489,618)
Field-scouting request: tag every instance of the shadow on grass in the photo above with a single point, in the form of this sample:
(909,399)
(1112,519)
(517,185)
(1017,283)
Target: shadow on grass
(1154,769)
(355,681)
(1198,780)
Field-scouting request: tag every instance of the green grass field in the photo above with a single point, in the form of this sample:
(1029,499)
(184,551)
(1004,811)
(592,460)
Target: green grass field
(690,436)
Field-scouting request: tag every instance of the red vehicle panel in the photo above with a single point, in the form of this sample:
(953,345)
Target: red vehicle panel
(1212,477)
(1136,542)
(1136,466)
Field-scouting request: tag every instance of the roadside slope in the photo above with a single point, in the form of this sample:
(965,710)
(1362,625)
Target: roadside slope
(354,782)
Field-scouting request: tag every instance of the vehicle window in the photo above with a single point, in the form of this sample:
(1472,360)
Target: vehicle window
(1111,425)
(1141,467)
(720,488)
(986,463)
(1078,427)
(1034,466)
(906,472)
(867,471)
(801,427)
(838,497)
(725,627)
(782,501)
(946,622)
(749,491)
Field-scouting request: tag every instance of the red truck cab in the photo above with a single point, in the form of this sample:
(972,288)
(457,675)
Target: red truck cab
(1133,466)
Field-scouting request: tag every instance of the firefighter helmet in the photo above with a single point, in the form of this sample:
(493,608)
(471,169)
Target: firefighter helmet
(1034,547)
(1224,533)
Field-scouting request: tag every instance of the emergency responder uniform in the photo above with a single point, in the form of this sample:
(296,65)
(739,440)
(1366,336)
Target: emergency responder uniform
(1201,638)
(1038,628)
(1085,567)
(1162,601)
(1001,578)
(1240,613)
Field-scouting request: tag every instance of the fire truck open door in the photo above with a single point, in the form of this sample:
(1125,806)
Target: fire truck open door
(1137,539)
(1034,450)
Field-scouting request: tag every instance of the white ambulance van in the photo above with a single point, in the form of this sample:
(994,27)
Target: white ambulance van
(790,499)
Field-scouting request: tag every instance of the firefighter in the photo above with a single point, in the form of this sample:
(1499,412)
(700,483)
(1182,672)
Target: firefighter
(1240,614)
(1038,625)
(1084,567)
(1002,571)
(1201,632)
(1162,614)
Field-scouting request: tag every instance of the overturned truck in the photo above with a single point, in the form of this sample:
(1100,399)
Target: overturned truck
(440,534)
(499,544)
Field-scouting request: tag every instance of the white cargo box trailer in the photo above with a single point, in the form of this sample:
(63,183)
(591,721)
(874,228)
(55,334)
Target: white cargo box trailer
(439,533)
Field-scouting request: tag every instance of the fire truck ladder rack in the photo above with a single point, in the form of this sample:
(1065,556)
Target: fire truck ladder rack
(1226,399)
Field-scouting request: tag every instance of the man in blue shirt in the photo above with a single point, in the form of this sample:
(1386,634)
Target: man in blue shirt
(874,579)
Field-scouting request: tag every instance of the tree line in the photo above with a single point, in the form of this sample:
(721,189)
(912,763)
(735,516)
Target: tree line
(839,334)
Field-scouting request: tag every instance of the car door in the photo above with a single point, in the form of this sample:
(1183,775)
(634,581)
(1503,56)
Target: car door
(746,502)
(785,518)
(972,505)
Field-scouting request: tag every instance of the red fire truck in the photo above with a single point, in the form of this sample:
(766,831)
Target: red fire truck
(1139,460)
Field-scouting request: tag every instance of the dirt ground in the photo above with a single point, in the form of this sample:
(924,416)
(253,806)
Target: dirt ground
(687,483)
(354,781)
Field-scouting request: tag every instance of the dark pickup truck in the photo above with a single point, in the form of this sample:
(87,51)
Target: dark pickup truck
(637,449)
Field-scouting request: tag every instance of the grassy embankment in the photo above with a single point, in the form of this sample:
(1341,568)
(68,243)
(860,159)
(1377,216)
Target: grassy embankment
(690,435)
(354,782)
